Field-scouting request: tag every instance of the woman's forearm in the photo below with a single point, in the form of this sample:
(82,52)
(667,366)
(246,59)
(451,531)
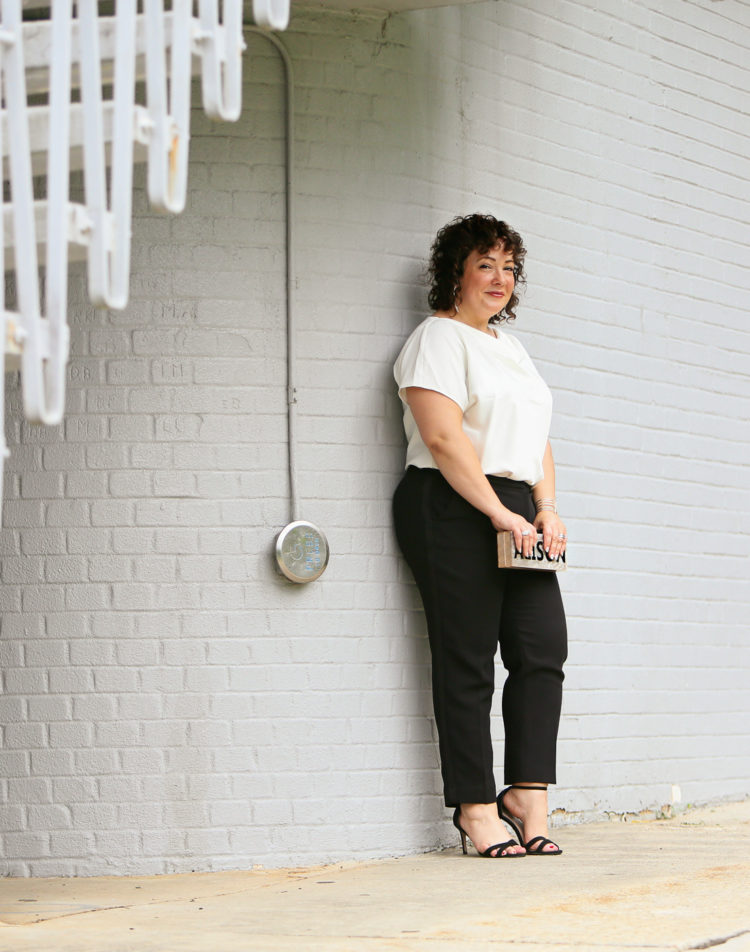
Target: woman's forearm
(547,521)
(439,421)
(457,460)
(545,488)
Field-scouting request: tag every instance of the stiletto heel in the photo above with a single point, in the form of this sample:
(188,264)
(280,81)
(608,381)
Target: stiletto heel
(461,833)
(537,842)
(488,854)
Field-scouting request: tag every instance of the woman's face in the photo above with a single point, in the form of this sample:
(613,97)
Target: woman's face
(487,282)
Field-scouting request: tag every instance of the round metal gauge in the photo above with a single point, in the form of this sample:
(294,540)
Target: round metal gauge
(301,552)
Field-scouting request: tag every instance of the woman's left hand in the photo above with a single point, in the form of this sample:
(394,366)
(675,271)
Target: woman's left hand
(555,533)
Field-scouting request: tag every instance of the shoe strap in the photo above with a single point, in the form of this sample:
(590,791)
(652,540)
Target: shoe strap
(525,786)
(500,847)
(542,841)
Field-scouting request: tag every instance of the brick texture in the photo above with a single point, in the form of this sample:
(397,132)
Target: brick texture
(169,703)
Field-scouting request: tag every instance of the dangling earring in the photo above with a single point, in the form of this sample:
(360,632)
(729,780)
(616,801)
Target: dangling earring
(455,295)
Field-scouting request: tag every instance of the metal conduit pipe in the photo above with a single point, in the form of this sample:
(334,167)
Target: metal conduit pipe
(289,208)
(301,548)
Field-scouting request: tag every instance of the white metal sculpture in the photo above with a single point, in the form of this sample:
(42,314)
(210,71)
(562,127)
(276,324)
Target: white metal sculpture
(76,48)
(108,227)
(221,76)
(168,104)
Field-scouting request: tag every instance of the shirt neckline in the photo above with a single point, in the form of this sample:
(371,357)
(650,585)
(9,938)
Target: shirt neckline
(493,336)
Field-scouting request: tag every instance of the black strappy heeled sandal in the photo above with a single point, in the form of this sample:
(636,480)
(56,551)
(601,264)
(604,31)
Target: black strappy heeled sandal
(537,842)
(488,854)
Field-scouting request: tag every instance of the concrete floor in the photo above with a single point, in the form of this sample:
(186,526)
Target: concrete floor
(653,885)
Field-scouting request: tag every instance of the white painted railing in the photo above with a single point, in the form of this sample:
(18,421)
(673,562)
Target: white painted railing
(75,48)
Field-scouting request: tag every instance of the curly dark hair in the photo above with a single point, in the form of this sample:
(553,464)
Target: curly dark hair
(452,246)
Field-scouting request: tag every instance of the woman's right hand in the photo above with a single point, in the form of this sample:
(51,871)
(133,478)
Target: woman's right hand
(524,532)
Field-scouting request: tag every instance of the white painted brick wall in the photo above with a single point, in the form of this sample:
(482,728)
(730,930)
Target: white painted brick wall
(168,702)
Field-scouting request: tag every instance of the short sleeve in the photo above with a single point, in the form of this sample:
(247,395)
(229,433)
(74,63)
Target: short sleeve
(434,358)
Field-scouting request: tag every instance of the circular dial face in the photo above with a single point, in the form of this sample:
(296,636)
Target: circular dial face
(302,552)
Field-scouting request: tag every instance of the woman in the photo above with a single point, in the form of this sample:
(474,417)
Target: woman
(477,416)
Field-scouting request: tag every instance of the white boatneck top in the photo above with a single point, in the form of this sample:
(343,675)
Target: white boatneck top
(507,407)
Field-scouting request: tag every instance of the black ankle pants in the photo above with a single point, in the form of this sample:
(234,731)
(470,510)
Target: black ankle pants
(472,606)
